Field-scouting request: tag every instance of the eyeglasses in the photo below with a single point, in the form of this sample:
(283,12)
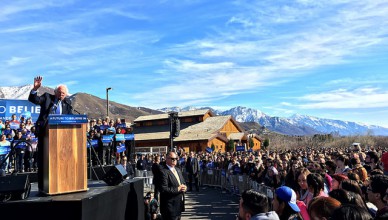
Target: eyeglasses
(173,158)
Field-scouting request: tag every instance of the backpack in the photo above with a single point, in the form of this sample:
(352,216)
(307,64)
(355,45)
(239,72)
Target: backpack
(154,206)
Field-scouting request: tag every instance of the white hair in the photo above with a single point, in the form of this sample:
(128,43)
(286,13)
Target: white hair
(63,86)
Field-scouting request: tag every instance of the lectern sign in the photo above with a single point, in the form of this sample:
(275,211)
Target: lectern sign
(67,119)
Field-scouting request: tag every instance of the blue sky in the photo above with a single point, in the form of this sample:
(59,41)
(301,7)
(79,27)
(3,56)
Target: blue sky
(326,59)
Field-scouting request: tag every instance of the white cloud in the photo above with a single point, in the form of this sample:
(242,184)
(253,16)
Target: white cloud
(346,99)
(15,61)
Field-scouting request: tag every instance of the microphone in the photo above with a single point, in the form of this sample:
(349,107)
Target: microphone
(71,107)
(54,107)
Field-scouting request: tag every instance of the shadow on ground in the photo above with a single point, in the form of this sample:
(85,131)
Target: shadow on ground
(210,203)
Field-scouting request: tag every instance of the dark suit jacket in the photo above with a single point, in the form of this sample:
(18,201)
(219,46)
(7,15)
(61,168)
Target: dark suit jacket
(158,175)
(192,165)
(172,201)
(46,102)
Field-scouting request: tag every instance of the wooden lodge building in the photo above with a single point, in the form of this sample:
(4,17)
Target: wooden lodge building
(199,129)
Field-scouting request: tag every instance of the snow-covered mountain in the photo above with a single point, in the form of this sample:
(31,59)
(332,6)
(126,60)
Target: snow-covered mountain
(15,92)
(20,92)
(299,124)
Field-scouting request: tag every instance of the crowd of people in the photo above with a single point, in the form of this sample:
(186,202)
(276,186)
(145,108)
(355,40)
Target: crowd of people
(306,183)
(109,151)
(20,134)
(348,183)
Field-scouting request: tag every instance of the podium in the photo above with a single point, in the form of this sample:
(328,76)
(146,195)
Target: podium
(65,158)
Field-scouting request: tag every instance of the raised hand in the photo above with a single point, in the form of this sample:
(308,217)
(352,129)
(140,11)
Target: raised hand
(37,82)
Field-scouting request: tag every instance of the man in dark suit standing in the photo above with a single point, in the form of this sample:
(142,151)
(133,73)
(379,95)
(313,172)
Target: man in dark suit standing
(49,104)
(192,169)
(172,198)
(157,176)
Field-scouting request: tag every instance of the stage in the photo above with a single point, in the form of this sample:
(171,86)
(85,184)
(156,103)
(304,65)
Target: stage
(100,202)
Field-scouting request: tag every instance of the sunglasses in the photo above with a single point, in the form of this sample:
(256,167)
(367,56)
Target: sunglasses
(173,158)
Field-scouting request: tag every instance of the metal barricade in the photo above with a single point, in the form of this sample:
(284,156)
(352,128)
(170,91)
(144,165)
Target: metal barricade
(147,176)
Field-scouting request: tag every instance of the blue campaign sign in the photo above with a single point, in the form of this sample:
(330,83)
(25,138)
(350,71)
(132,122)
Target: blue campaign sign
(121,148)
(103,127)
(129,137)
(209,150)
(14,125)
(19,144)
(107,138)
(5,149)
(67,119)
(240,148)
(8,107)
(120,137)
(93,142)
(121,125)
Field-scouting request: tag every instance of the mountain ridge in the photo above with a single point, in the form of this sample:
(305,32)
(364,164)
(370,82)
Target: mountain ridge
(297,124)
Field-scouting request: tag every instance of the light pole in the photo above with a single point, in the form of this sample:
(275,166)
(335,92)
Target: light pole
(107,101)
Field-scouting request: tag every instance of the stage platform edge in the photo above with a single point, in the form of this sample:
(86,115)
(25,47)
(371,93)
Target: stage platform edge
(101,202)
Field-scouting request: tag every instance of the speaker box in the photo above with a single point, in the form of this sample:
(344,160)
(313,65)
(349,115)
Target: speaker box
(115,175)
(14,187)
(98,172)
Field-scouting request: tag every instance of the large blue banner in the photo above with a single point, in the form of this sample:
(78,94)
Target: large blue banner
(8,107)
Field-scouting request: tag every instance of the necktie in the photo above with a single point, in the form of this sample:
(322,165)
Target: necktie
(176,175)
(58,111)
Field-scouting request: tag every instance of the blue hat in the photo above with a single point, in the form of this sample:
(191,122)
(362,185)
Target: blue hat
(286,194)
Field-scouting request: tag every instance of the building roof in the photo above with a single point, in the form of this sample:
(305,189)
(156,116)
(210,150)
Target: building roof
(236,136)
(152,136)
(180,115)
(206,130)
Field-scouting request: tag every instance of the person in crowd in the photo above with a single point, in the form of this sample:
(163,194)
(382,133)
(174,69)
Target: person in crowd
(49,104)
(291,177)
(157,176)
(378,185)
(284,204)
(128,167)
(336,180)
(322,207)
(2,127)
(8,131)
(331,167)
(351,185)
(315,185)
(141,164)
(384,161)
(192,169)
(172,199)
(372,159)
(348,197)
(29,124)
(3,157)
(350,212)
(14,121)
(254,206)
(342,164)
(258,170)
(20,148)
(304,194)
(272,177)
(358,169)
